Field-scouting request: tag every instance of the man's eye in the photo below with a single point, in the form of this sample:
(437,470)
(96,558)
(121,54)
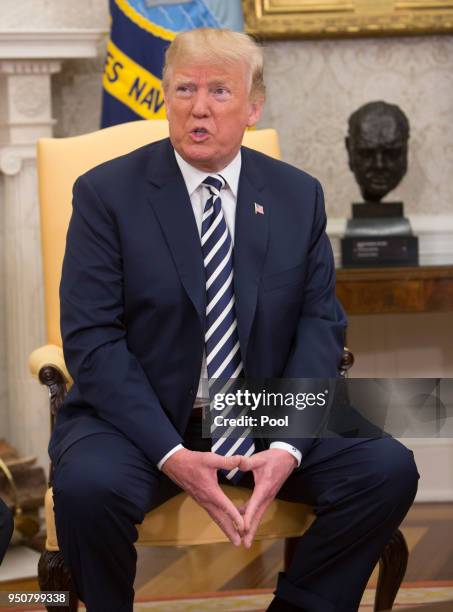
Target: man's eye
(184,89)
(363,152)
(221,91)
(393,153)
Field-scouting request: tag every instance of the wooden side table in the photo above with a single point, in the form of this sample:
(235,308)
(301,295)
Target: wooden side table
(395,290)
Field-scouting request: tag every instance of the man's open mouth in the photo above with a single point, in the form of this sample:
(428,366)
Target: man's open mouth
(199,134)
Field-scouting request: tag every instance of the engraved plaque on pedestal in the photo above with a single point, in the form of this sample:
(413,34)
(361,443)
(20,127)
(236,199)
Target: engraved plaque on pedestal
(370,251)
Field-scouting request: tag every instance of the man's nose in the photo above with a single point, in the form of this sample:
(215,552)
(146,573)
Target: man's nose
(379,159)
(200,106)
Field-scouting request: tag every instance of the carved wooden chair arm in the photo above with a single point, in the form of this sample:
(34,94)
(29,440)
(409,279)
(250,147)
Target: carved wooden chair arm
(49,355)
(347,361)
(48,365)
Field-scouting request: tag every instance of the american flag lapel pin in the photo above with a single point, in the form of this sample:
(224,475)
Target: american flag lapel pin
(259,210)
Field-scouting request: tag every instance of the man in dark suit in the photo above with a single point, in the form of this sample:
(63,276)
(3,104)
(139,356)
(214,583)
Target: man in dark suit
(6,528)
(151,305)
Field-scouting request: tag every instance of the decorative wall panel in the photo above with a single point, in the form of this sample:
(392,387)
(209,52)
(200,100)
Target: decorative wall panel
(313,87)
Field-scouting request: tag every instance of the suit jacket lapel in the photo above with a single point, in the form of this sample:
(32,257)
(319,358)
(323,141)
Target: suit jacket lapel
(250,245)
(171,203)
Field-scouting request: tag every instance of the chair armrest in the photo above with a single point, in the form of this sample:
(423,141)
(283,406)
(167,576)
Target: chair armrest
(47,364)
(51,356)
(347,361)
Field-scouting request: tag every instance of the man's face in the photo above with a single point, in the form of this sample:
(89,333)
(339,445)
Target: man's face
(208,109)
(377,155)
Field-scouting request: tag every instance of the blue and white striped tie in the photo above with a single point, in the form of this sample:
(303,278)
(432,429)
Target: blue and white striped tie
(223,355)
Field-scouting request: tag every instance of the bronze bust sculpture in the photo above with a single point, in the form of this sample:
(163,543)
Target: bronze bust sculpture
(377,145)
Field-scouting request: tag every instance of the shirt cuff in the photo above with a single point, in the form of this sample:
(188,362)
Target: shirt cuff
(292,450)
(169,454)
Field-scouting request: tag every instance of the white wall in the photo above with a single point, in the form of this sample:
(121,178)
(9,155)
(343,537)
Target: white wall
(402,346)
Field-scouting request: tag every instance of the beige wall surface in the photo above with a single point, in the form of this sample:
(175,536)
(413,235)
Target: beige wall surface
(313,87)
(48,14)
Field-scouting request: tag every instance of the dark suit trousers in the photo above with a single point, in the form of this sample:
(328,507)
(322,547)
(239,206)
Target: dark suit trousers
(360,490)
(6,528)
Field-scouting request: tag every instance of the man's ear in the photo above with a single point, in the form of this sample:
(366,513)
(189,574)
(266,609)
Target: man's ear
(255,110)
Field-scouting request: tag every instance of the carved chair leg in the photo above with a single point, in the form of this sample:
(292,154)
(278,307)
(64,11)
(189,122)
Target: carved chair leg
(392,567)
(54,576)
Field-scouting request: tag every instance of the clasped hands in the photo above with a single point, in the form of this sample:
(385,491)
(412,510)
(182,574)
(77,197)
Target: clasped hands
(196,473)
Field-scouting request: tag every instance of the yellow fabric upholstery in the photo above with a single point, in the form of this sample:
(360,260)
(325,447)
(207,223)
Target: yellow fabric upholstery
(180,521)
(52,355)
(62,160)
(168,525)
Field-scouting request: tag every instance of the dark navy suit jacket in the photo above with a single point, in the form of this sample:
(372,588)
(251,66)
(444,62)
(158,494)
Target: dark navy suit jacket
(133,294)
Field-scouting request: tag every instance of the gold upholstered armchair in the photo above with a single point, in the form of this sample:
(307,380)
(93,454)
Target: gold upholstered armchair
(60,162)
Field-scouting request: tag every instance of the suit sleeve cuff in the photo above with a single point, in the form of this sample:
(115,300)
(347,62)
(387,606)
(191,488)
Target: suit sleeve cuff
(289,448)
(169,454)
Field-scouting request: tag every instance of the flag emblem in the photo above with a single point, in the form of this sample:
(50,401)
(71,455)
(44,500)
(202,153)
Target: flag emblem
(259,210)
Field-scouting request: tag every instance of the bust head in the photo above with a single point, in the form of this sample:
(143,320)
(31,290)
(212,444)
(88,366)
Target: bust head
(377,148)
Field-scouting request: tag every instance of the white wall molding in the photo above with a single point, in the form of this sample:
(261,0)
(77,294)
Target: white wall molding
(29,66)
(50,44)
(25,113)
(12,158)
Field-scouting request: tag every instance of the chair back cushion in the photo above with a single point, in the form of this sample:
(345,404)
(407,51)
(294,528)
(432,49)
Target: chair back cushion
(62,160)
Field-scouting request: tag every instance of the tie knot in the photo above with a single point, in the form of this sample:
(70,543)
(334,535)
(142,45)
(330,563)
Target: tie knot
(214,183)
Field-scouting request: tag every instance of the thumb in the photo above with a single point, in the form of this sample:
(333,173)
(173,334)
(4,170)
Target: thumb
(243,509)
(246,463)
(225,462)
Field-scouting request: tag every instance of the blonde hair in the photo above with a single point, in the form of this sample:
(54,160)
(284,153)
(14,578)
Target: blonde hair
(217,46)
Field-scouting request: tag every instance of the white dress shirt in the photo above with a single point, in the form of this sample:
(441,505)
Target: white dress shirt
(199,194)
